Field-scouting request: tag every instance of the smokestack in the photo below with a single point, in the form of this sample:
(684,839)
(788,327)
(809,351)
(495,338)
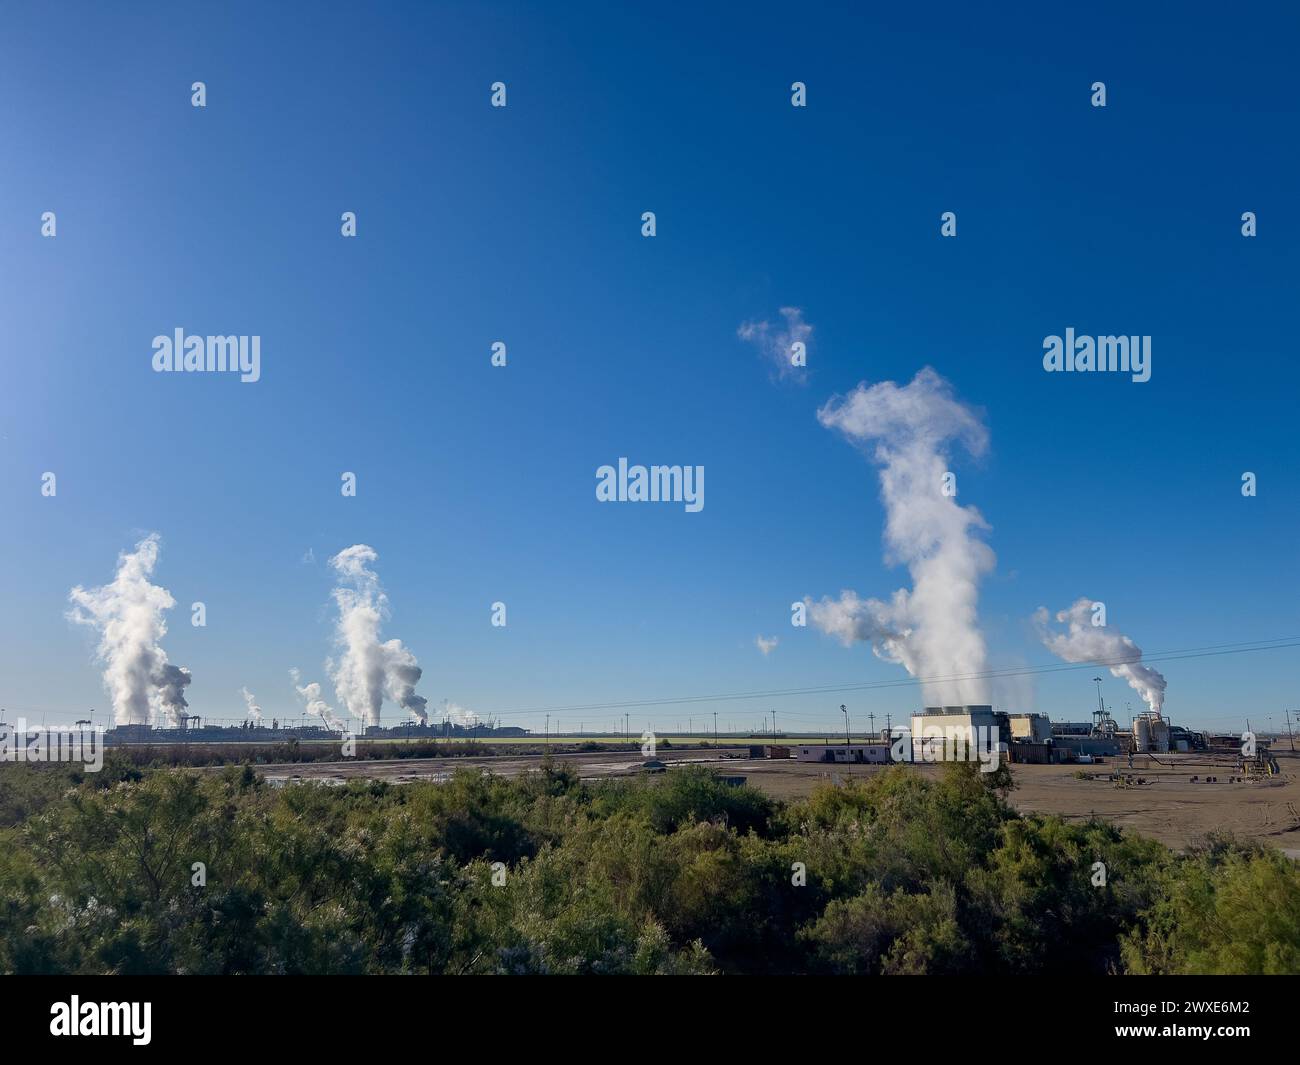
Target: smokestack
(129,616)
(1085,642)
(933,629)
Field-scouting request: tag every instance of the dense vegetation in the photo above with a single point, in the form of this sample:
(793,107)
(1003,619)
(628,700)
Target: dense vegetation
(676,874)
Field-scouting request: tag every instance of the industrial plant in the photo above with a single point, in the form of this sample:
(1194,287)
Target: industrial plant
(1023,738)
(1030,739)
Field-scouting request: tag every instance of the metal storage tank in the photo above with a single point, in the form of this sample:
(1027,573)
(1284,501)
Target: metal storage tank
(1141,735)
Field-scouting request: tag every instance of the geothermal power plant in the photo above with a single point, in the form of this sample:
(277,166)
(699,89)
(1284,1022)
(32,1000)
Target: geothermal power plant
(1022,738)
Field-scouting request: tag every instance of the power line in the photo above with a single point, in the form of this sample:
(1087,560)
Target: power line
(1209,651)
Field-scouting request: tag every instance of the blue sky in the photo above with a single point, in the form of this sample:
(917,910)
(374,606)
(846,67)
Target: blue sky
(522,224)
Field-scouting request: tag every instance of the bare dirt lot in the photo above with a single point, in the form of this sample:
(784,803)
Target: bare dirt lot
(1169,805)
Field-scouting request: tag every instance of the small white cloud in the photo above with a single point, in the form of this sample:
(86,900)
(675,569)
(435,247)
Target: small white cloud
(765,644)
(776,342)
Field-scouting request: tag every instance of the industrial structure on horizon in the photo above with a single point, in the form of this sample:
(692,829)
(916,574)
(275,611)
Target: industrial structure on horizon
(1027,738)
(1020,737)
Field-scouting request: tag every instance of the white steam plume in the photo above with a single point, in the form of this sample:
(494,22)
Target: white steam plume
(933,629)
(144,686)
(458,715)
(367,670)
(314,704)
(1085,642)
(254,711)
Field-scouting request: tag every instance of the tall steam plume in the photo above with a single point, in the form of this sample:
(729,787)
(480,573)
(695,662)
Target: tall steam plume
(1085,642)
(932,630)
(128,613)
(367,670)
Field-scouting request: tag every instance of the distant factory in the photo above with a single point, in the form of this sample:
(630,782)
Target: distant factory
(192,729)
(437,730)
(935,733)
(941,733)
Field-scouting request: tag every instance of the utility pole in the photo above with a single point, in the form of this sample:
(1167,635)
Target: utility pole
(847,741)
(889,727)
(1288,730)
(627,727)
(715,728)
(872,718)
(548,729)
(773,724)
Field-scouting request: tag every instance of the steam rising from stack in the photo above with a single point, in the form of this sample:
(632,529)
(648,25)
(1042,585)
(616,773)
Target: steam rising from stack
(254,711)
(458,715)
(314,704)
(932,630)
(367,670)
(1085,642)
(128,613)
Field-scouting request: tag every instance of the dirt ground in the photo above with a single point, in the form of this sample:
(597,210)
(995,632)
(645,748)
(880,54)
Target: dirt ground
(1170,805)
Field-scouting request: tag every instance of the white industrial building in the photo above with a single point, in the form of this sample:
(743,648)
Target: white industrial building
(869,753)
(947,733)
